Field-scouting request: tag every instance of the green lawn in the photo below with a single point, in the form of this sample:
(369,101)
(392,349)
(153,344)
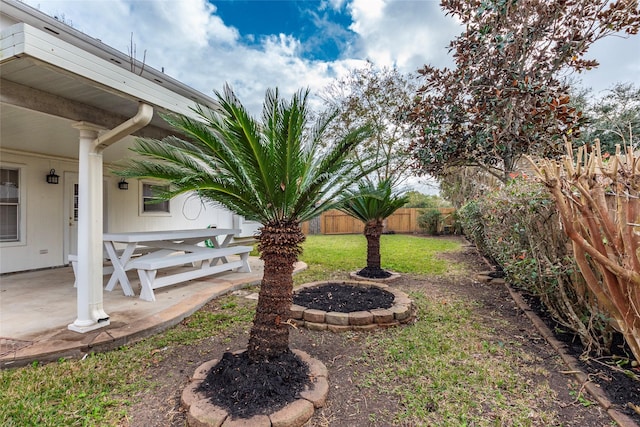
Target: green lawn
(333,256)
(445,369)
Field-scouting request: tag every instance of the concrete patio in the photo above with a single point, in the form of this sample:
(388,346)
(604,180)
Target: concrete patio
(37,306)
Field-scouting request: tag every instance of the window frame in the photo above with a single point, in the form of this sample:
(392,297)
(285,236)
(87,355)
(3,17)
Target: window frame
(20,204)
(142,198)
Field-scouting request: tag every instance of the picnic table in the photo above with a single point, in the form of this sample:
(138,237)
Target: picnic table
(171,248)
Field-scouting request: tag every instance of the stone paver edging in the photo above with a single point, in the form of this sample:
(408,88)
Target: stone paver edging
(318,320)
(593,389)
(202,413)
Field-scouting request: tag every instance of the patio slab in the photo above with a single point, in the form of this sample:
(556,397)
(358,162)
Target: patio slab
(36,307)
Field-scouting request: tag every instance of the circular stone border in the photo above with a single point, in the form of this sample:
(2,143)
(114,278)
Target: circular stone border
(202,413)
(394,276)
(401,311)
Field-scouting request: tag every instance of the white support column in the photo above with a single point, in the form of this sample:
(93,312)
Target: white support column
(91,314)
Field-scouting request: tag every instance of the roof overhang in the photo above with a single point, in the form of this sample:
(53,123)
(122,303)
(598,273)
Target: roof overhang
(53,76)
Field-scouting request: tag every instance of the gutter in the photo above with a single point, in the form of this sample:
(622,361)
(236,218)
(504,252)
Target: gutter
(141,119)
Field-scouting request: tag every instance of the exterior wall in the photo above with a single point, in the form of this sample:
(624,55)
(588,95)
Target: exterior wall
(124,211)
(41,208)
(45,218)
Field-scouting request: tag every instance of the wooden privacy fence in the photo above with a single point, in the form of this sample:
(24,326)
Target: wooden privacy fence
(404,220)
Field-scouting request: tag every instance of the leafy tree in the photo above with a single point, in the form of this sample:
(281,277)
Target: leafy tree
(372,203)
(506,96)
(430,220)
(614,118)
(417,199)
(268,171)
(381,97)
(461,184)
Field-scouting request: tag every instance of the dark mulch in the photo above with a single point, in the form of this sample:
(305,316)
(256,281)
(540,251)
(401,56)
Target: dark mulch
(612,373)
(246,388)
(374,273)
(343,298)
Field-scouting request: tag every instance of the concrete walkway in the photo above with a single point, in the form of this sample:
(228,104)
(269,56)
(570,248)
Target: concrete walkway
(37,306)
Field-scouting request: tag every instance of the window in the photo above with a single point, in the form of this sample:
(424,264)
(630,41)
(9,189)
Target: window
(150,205)
(9,204)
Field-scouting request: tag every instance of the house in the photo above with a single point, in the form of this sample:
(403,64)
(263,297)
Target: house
(70,106)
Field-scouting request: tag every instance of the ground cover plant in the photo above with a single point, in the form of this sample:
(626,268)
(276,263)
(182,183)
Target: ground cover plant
(470,357)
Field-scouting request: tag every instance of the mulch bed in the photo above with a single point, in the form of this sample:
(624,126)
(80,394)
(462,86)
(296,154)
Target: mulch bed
(343,298)
(374,273)
(620,383)
(246,388)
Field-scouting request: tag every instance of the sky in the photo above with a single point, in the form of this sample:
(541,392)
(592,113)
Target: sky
(290,44)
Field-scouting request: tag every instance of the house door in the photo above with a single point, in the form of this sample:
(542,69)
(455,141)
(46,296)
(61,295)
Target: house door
(70,215)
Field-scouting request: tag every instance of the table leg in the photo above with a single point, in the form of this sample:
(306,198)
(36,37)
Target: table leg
(119,274)
(224,244)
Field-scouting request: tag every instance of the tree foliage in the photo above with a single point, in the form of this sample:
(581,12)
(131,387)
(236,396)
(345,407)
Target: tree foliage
(381,98)
(506,95)
(372,203)
(417,199)
(266,170)
(614,118)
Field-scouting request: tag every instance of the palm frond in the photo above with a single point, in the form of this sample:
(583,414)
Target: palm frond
(266,171)
(372,201)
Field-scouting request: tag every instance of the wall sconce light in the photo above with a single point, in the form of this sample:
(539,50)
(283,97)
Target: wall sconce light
(123,185)
(52,178)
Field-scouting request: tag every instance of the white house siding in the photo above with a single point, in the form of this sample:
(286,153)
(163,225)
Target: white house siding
(51,81)
(186,212)
(41,206)
(44,215)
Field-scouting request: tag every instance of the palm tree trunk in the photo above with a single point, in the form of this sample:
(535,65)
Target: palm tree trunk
(373,231)
(279,246)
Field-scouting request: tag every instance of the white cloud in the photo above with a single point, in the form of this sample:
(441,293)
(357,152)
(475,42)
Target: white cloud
(407,34)
(192,44)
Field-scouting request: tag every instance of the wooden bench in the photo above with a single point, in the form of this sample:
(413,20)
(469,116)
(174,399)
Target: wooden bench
(204,262)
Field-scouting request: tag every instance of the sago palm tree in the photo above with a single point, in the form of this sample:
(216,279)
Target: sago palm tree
(372,203)
(270,171)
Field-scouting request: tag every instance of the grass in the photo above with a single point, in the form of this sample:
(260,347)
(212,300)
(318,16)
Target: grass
(332,256)
(446,369)
(95,391)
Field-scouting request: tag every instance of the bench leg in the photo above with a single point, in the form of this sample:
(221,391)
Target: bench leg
(244,257)
(146,284)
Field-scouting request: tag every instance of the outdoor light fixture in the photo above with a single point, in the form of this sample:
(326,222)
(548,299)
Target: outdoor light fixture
(123,185)
(52,178)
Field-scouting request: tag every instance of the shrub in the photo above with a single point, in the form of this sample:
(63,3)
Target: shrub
(598,199)
(430,220)
(518,228)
